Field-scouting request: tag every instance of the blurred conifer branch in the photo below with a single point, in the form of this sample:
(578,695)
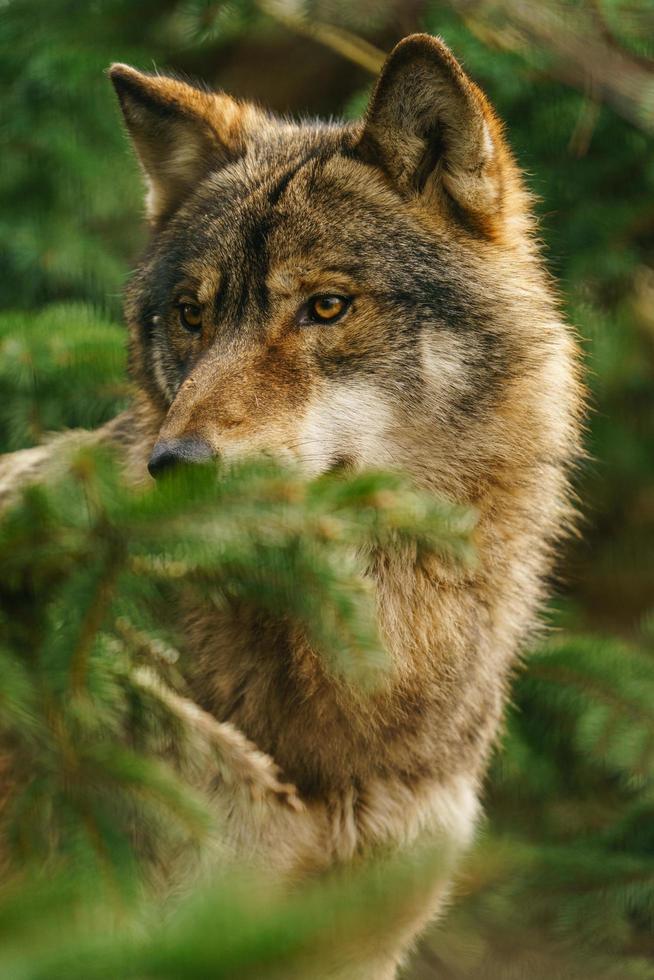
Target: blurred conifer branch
(338,39)
(86,564)
(582,49)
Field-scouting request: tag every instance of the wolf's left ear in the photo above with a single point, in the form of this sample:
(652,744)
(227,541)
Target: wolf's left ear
(179,132)
(431,129)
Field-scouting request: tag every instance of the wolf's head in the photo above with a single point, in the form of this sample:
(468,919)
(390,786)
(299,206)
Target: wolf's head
(364,294)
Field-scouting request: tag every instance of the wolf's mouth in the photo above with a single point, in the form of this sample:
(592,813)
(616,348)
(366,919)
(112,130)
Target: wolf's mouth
(341,464)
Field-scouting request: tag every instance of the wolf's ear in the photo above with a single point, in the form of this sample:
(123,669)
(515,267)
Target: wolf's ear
(431,129)
(179,133)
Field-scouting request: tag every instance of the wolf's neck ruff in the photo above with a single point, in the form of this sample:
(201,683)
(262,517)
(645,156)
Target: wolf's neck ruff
(368,294)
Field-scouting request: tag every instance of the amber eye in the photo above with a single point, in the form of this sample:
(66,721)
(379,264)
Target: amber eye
(190,316)
(327,307)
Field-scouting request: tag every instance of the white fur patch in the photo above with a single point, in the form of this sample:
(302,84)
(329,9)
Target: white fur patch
(443,359)
(350,419)
(397,813)
(489,149)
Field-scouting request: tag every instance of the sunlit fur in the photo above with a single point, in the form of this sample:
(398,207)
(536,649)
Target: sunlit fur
(452,363)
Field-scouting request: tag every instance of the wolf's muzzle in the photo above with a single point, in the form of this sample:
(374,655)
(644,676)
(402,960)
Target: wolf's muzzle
(169,452)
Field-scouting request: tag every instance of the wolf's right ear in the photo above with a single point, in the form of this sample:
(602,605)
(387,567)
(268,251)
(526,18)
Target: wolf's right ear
(433,132)
(179,132)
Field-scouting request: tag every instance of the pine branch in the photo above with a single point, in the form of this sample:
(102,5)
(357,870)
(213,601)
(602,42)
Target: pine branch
(239,763)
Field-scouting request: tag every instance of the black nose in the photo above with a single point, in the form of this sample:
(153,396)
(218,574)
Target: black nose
(169,452)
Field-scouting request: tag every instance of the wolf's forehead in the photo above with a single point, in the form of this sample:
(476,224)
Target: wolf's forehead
(314,203)
(317,208)
(232,210)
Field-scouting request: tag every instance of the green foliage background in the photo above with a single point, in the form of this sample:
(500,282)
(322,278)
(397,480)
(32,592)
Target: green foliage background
(561,883)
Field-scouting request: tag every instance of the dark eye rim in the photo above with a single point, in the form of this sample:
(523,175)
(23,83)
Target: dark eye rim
(192,328)
(309,314)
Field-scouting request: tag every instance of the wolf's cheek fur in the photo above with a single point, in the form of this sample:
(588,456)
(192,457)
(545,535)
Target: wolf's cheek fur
(271,402)
(346,422)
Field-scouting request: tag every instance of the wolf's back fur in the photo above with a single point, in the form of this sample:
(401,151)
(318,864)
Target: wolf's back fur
(451,362)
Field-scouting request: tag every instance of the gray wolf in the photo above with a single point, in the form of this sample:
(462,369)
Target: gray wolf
(368,294)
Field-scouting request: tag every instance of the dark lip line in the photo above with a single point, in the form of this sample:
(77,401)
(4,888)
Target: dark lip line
(341,464)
